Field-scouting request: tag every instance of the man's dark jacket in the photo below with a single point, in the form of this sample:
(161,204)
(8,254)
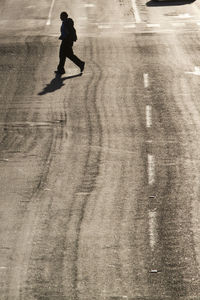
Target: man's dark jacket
(68,32)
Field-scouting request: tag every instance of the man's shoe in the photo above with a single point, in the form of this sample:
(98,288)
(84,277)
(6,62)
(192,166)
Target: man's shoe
(82,67)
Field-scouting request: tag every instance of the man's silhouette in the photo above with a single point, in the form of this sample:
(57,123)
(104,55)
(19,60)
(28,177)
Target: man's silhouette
(68,37)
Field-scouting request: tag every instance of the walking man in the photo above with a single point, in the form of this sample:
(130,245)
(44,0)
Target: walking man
(68,37)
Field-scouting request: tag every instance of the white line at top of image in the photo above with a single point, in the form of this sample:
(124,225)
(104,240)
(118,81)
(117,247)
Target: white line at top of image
(129,26)
(178,24)
(183,16)
(153,25)
(136,12)
(50,13)
(89,5)
(112,23)
(104,26)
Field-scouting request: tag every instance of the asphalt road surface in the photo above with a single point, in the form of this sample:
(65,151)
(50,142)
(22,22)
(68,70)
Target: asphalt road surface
(100,173)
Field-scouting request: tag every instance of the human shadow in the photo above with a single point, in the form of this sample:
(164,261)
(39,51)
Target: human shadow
(169,2)
(56,83)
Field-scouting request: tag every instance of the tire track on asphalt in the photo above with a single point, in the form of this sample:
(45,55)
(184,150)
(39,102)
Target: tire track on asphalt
(175,241)
(39,257)
(19,144)
(189,129)
(88,183)
(113,237)
(25,137)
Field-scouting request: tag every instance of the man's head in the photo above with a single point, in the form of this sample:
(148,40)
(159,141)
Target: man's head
(63,15)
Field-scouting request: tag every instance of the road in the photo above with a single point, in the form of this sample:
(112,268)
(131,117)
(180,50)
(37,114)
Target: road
(99,195)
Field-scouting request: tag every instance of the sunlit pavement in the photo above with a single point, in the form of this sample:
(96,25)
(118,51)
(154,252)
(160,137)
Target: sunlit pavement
(100,171)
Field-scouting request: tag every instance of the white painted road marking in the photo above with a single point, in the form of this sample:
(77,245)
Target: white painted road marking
(89,5)
(146,80)
(136,12)
(184,16)
(178,24)
(154,271)
(130,26)
(148,116)
(152,229)
(151,169)
(50,13)
(85,18)
(196,71)
(153,25)
(104,26)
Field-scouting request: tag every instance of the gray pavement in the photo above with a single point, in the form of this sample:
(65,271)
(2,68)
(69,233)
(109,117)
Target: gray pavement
(99,196)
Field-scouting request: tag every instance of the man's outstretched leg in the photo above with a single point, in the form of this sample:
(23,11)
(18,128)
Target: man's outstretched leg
(75,59)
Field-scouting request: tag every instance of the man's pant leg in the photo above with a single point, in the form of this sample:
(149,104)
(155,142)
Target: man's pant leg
(62,56)
(74,58)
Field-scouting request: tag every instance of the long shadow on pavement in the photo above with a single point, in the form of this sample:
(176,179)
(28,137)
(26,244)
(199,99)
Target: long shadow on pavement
(169,2)
(56,83)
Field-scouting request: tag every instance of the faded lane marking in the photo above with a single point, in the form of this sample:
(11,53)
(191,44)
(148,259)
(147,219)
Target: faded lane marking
(146,80)
(89,5)
(178,24)
(148,116)
(168,164)
(152,229)
(154,271)
(31,124)
(136,12)
(50,13)
(158,31)
(151,169)
(153,25)
(184,16)
(130,26)
(104,26)
(196,71)
(85,18)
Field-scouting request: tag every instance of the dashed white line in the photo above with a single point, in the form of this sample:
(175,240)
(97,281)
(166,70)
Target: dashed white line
(146,80)
(50,13)
(148,116)
(196,71)
(179,24)
(104,26)
(184,16)
(151,169)
(153,25)
(130,26)
(154,271)
(136,12)
(89,5)
(152,229)
(85,18)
